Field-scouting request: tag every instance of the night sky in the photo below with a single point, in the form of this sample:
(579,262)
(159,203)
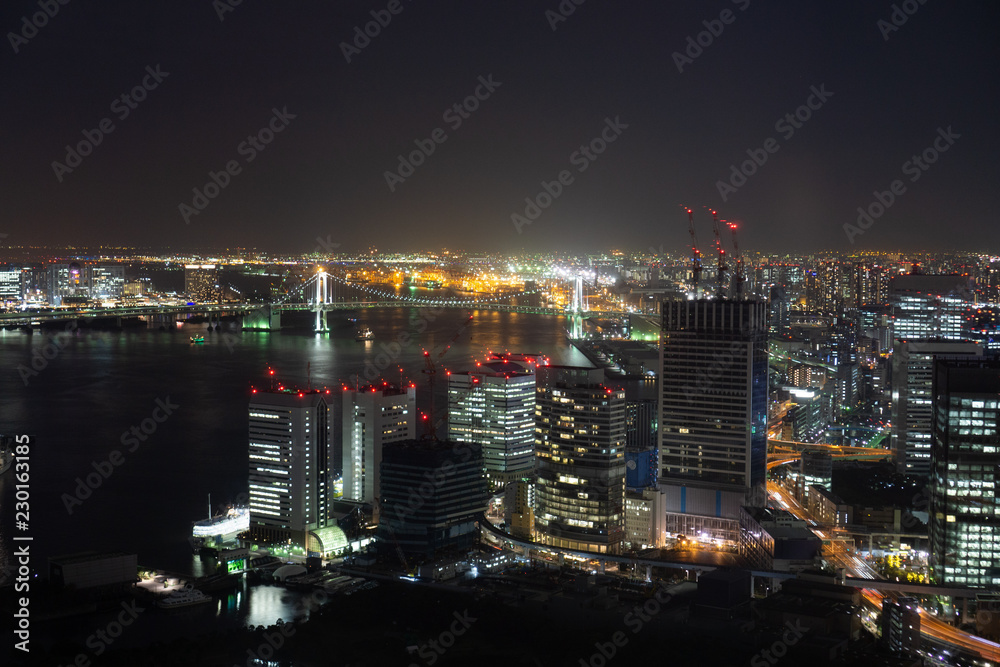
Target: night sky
(324,174)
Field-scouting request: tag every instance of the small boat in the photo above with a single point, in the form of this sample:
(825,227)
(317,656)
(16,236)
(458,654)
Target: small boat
(6,459)
(181,599)
(198,339)
(364,334)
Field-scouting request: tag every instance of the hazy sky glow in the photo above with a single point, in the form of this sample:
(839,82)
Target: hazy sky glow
(536,91)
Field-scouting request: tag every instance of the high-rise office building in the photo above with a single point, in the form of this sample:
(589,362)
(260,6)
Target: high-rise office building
(11,285)
(965,473)
(201,282)
(713,414)
(433,493)
(290,437)
(928,306)
(494,406)
(580,460)
(519,508)
(912,377)
(372,417)
(642,461)
(645,519)
(805,420)
(106,283)
(66,284)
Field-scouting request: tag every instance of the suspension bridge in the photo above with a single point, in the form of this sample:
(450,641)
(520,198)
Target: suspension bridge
(321,294)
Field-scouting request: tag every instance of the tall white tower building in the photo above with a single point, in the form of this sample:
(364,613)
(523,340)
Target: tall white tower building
(290,449)
(373,416)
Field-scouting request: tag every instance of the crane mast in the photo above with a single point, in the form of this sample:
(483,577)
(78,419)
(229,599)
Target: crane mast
(695,255)
(739,276)
(430,369)
(721,267)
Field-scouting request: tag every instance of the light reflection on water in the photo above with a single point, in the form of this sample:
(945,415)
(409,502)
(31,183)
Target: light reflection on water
(102,384)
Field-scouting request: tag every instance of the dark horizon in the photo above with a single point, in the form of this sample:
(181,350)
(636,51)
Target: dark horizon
(879,94)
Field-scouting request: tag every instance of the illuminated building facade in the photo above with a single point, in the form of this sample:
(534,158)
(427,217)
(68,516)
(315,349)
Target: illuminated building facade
(372,417)
(290,438)
(912,409)
(925,306)
(66,284)
(494,406)
(713,414)
(201,282)
(580,460)
(965,466)
(11,285)
(106,283)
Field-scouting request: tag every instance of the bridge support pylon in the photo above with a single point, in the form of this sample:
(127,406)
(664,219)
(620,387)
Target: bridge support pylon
(265,318)
(321,326)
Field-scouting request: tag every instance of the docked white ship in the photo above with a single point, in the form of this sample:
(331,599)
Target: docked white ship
(220,529)
(181,599)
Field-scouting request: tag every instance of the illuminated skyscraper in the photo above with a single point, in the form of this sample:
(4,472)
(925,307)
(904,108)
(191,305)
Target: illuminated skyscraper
(926,306)
(965,473)
(580,460)
(106,283)
(494,406)
(713,414)
(289,465)
(912,409)
(373,416)
(201,282)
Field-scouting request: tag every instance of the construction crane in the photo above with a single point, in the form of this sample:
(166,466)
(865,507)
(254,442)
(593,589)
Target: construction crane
(430,370)
(695,255)
(739,275)
(721,268)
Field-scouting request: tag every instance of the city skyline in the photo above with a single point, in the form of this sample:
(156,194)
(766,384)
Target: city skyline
(551,333)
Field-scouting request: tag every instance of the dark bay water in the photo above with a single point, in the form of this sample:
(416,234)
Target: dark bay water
(100,385)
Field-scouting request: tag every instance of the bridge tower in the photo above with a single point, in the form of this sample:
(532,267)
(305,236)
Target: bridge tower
(577,309)
(319,306)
